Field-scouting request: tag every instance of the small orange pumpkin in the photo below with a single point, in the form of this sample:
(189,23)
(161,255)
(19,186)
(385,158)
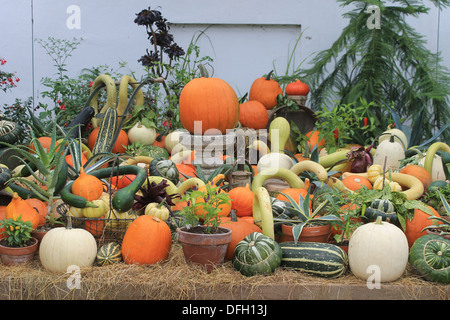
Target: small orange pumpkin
(266,91)
(355,182)
(119,147)
(313,136)
(147,240)
(40,207)
(414,227)
(45,142)
(419,172)
(20,207)
(95,226)
(87,186)
(242,200)
(253,114)
(297,88)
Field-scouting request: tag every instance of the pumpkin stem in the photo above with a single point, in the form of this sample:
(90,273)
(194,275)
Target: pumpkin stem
(378,221)
(269,75)
(203,72)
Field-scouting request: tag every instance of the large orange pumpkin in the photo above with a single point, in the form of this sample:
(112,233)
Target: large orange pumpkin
(147,240)
(419,172)
(208,103)
(414,227)
(20,207)
(242,200)
(266,91)
(239,230)
(119,147)
(253,115)
(355,182)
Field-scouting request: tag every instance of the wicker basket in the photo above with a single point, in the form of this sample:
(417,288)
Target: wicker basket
(104,230)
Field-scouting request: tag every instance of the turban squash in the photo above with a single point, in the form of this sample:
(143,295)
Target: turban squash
(209,100)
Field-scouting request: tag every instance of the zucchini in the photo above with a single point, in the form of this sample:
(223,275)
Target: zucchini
(316,258)
(106,133)
(81,119)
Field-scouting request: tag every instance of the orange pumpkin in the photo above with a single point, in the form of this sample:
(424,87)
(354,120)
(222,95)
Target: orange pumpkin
(160,141)
(414,227)
(41,209)
(355,182)
(239,230)
(335,229)
(266,91)
(208,103)
(2,217)
(95,226)
(253,115)
(69,158)
(297,88)
(314,140)
(87,186)
(121,181)
(20,207)
(242,200)
(419,172)
(119,147)
(225,207)
(45,142)
(147,240)
(185,169)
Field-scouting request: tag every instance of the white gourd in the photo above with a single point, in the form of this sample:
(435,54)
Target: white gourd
(399,136)
(378,250)
(142,134)
(391,152)
(62,247)
(274,160)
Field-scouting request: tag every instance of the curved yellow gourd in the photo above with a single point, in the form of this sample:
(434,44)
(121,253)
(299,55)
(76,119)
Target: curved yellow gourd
(287,175)
(262,212)
(309,165)
(111,98)
(189,184)
(431,152)
(137,159)
(126,81)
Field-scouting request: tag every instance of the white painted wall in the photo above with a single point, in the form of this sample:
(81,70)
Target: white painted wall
(245,38)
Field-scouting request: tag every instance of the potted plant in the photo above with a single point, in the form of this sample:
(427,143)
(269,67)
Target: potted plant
(307,225)
(204,242)
(18,246)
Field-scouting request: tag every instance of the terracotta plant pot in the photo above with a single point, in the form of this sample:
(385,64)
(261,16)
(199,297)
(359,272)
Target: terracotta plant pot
(205,249)
(17,255)
(319,233)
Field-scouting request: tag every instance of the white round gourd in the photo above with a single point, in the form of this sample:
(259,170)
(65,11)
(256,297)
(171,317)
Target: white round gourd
(391,152)
(399,136)
(142,134)
(62,247)
(378,247)
(274,160)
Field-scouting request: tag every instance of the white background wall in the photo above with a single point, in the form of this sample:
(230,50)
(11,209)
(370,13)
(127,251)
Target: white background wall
(246,38)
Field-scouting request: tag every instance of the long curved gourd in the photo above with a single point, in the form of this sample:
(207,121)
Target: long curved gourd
(189,184)
(111,99)
(126,81)
(309,165)
(137,159)
(431,152)
(262,212)
(287,175)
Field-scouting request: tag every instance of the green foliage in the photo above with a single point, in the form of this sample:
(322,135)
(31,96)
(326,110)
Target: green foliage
(18,232)
(390,66)
(213,199)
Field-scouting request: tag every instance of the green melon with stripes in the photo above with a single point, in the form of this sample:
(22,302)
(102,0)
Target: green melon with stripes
(316,258)
(256,254)
(109,254)
(430,256)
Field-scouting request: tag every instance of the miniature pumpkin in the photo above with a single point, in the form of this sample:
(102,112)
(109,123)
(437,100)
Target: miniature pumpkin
(253,115)
(355,182)
(87,186)
(95,226)
(390,152)
(208,103)
(45,142)
(266,91)
(297,88)
(414,227)
(40,207)
(242,200)
(147,240)
(381,181)
(374,172)
(239,230)
(419,172)
(158,210)
(313,140)
(66,246)
(378,244)
(20,207)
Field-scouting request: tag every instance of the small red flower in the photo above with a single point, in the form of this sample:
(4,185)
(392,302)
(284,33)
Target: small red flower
(91,83)
(2,62)
(336,133)
(365,122)
(17,79)
(62,107)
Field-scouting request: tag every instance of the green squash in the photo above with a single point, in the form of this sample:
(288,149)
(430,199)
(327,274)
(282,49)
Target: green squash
(165,168)
(5,175)
(9,132)
(430,257)
(256,254)
(109,254)
(383,208)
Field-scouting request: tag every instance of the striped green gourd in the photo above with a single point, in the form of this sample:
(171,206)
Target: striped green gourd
(9,131)
(109,253)
(316,258)
(430,256)
(105,138)
(383,208)
(256,254)
(165,168)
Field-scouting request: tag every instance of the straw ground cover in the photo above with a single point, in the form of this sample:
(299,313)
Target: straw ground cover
(173,279)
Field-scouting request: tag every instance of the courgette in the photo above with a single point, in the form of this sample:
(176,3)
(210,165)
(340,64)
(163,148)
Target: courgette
(81,119)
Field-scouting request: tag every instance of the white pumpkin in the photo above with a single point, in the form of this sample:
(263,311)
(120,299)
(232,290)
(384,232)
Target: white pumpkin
(274,160)
(391,152)
(142,134)
(399,136)
(62,247)
(378,249)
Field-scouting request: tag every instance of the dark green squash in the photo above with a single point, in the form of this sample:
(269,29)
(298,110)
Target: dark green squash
(166,168)
(109,254)
(256,254)
(9,132)
(383,208)
(5,175)
(430,256)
